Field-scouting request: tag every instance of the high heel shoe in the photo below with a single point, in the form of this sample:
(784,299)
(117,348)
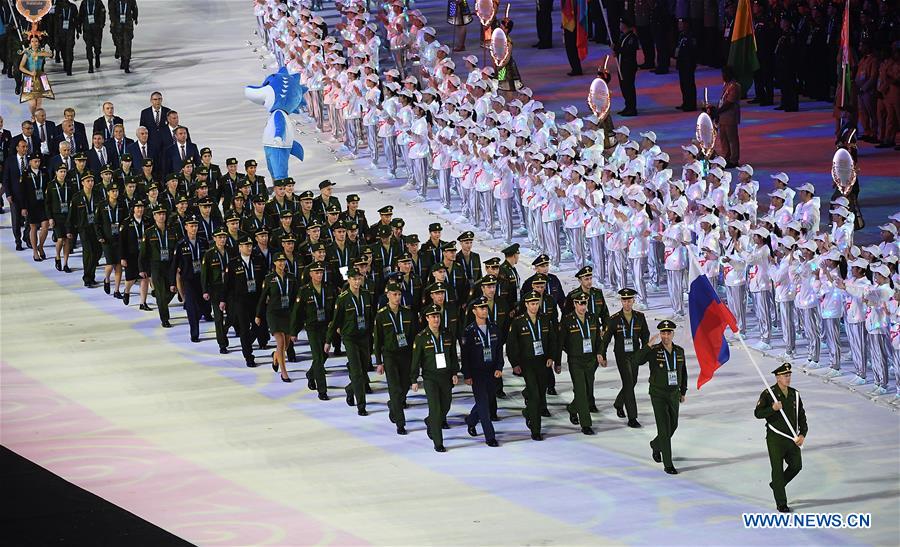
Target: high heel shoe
(286,380)
(274,363)
(36,258)
(42,253)
(67,269)
(58,265)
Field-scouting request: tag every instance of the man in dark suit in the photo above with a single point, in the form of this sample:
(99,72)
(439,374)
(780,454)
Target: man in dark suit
(79,130)
(44,129)
(166,134)
(117,146)
(65,156)
(108,121)
(33,143)
(143,148)
(155,116)
(66,132)
(98,156)
(13,169)
(179,152)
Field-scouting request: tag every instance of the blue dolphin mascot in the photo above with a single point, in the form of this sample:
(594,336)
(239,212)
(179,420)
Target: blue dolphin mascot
(282,93)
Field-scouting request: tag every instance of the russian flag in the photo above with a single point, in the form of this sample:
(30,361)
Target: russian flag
(709,317)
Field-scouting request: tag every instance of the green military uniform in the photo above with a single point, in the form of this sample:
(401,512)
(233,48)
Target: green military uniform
(580,339)
(509,273)
(212,281)
(392,343)
(779,439)
(157,251)
(276,301)
(628,334)
(108,225)
(353,316)
(668,384)
(315,311)
(434,356)
(83,217)
(597,308)
(57,202)
(531,344)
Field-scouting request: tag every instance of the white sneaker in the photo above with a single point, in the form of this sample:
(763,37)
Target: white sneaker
(409,186)
(444,211)
(762,346)
(857,380)
(832,373)
(417,199)
(877,391)
(788,356)
(815,364)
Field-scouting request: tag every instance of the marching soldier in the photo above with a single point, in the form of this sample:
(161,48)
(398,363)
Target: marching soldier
(626,51)
(277,300)
(212,282)
(482,363)
(469,260)
(596,307)
(316,310)
(157,252)
(243,281)
(133,230)
(500,314)
(67,26)
(352,320)
(434,357)
(627,329)
(531,347)
(186,261)
(123,17)
(59,198)
(83,216)
(509,273)
(579,337)
(668,385)
(782,445)
(92,19)
(394,329)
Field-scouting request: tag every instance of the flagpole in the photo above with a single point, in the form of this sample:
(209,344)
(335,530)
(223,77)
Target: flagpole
(762,377)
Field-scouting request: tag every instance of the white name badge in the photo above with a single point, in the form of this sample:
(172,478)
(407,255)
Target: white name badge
(320,315)
(285,302)
(538,348)
(122,18)
(401,340)
(39,194)
(90,19)
(440,361)
(65,25)
(586,346)
(488,355)
(64,208)
(196,265)
(114,230)
(163,254)
(343,270)
(628,345)
(251,285)
(673,377)
(360,322)
(90,218)
(387,271)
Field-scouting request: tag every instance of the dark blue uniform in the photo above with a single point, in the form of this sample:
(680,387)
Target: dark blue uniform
(187,260)
(479,365)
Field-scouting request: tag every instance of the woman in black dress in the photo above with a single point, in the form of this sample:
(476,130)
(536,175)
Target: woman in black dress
(109,226)
(276,300)
(34,185)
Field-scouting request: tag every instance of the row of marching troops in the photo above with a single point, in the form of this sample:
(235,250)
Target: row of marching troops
(63,25)
(305,263)
(585,191)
